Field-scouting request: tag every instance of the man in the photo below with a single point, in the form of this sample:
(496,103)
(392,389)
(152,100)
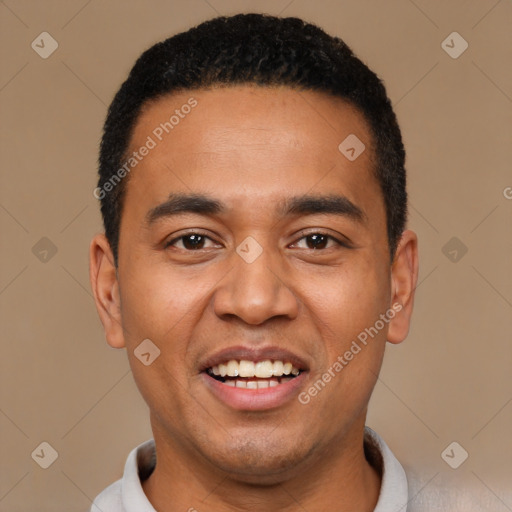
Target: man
(255,262)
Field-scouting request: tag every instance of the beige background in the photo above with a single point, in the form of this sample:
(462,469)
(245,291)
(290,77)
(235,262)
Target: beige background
(450,381)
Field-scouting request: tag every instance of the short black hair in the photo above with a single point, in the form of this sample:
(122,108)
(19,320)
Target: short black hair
(260,50)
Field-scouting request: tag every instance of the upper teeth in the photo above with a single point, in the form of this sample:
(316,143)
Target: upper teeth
(262,369)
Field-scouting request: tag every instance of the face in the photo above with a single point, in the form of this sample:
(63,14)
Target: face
(247,235)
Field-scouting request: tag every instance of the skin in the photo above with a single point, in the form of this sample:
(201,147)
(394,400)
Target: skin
(251,148)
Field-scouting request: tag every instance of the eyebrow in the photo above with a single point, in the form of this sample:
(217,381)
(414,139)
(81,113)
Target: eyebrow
(299,205)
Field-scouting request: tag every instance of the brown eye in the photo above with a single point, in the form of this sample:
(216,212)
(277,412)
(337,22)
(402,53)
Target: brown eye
(318,241)
(193,242)
(189,242)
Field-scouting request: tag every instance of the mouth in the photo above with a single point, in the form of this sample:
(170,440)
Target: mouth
(247,379)
(245,374)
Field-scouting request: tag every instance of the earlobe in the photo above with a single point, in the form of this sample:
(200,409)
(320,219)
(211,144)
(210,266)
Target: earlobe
(105,287)
(404,277)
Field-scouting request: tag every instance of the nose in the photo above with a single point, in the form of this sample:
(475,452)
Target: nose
(256,291)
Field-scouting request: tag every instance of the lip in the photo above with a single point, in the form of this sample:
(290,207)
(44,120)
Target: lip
(253,354)
(244,399)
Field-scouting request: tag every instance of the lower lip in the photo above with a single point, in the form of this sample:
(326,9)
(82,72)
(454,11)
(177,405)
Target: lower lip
(255,399)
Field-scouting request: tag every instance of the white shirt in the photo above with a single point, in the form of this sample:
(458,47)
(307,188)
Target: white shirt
(126,495)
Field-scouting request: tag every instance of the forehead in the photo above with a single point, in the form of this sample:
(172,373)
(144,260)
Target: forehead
(249,144)
(221,116)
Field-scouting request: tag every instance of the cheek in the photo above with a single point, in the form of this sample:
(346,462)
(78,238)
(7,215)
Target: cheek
(345,311)
(159,308)
(155,303)
(351,301)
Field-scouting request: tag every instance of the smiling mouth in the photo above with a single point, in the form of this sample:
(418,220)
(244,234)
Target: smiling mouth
(253,375)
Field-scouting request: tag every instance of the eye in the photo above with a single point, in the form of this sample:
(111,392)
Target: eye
(195,241)
(318,240)
(189,242)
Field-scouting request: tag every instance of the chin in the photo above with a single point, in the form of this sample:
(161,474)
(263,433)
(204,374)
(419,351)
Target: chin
(259,461)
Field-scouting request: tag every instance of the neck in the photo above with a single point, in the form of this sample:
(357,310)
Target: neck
(341,478)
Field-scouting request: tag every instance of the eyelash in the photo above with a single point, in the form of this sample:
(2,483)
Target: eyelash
(321,233)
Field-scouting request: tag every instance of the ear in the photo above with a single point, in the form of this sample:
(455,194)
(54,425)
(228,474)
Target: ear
(404,276)
(105,286)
